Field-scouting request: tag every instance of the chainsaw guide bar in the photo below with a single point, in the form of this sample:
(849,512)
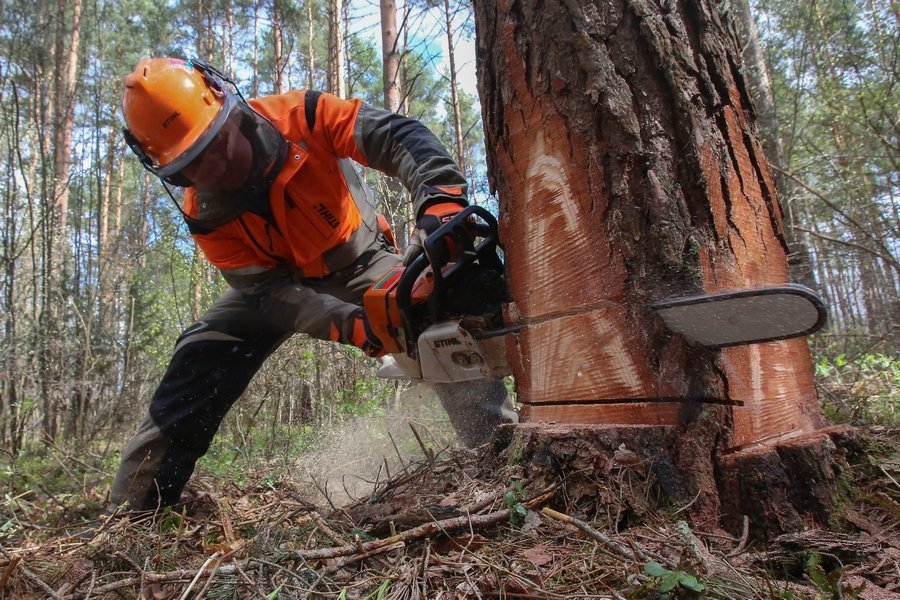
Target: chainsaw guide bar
(747,316)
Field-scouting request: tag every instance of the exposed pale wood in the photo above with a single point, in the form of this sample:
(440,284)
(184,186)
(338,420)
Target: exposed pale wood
(629,172)
(587,356)
(600,414)
(777,397)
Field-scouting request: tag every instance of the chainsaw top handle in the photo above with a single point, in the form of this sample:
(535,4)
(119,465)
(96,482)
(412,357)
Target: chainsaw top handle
(450,249)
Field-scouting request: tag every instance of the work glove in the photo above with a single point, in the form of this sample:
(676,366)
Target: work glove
(433,217)
(356,332)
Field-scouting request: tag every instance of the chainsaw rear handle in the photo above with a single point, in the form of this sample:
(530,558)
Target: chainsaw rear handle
(463,231)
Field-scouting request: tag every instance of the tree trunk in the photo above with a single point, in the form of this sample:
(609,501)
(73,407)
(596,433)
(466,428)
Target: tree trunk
(68,35)
(278,58)
(628,172)
(228,46)
(67,42)
(395,196)
(390,52)
(198,276)
(454,93)
(336,82)
(310,46)
(254,80)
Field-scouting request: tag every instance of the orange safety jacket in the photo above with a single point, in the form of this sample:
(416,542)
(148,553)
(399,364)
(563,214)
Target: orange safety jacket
(317,216)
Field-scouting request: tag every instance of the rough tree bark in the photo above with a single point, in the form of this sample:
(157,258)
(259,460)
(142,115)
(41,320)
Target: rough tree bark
(629,171)
(394,194)
(336,82)
(390,53)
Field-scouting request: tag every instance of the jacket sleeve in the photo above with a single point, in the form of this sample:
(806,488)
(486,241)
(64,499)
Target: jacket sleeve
(393,144)
(273,290)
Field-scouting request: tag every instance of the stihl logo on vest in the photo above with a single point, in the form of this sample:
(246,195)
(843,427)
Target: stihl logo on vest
(327,215)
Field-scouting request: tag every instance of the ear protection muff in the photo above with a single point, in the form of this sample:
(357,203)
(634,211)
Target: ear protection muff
(214,77)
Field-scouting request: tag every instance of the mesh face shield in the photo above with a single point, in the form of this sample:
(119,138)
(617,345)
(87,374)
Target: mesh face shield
(185,158)
(268,149)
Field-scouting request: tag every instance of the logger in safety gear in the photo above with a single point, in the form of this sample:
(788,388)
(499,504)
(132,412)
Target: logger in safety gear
(274,202)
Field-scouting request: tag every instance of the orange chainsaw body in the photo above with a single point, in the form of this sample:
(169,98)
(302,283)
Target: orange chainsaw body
(383,312)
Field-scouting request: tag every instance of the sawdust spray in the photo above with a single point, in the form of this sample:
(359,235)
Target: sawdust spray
(348,459)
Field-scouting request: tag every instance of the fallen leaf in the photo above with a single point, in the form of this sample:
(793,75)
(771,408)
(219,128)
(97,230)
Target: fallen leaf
(226,548)
(539,555)
(531,521)
(450,500)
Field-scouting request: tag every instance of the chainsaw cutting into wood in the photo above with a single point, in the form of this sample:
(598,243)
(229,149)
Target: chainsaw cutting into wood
(441,317)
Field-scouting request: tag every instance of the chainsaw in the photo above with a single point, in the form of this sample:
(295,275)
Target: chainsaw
(440,319)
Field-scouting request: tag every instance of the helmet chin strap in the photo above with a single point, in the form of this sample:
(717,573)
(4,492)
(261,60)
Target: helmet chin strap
(184,215)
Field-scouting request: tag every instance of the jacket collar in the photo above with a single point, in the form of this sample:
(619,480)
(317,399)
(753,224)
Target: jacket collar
(270,149)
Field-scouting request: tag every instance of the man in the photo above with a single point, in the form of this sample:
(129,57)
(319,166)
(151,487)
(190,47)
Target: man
(275,204)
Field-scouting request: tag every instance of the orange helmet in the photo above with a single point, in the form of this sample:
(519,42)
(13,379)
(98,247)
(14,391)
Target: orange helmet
(173,109)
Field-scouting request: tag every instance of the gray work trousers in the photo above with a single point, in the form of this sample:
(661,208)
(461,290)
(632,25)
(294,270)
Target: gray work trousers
(212,364)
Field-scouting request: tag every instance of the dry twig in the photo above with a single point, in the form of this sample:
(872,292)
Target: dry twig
(604,539)
(422,531)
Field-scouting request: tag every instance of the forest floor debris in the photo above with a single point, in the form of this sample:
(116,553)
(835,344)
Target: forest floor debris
(442,527)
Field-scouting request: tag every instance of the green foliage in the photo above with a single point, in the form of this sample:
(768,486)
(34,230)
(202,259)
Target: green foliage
(380,592)
(671,583)
(828,582)
(171,521)
(42,476)
(45,470)
(275,594)
(861,389)
(512,500)
(364,67)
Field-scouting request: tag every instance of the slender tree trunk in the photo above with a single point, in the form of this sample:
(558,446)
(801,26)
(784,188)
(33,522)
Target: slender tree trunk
(310,47)
(254,88)
(278,57)
(395,195)
(336,82)
(66,68)
(228,46)
(454,93)
(65,80)
(9,397)
(390,52)
(104,256)
(197,287)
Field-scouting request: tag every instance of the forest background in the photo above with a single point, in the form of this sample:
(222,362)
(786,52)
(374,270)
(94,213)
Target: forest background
(98,275)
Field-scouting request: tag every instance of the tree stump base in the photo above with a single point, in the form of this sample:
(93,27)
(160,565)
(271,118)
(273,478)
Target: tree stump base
(786,486)
(625,471)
